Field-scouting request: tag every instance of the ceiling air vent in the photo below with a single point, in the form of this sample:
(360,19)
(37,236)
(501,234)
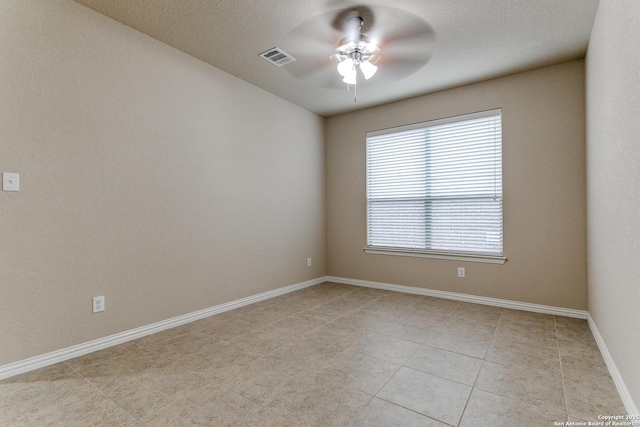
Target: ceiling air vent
(277,57)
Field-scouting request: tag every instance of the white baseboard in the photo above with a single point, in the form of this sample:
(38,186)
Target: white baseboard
(119,338)
(112,340)
(516,305)
(630,406)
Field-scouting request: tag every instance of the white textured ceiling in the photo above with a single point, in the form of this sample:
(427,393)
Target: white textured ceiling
(462,41)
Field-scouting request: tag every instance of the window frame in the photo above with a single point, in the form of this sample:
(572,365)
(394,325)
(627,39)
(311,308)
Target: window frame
(430,253)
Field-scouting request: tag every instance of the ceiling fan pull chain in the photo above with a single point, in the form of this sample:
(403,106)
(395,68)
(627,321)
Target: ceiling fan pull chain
(355,91)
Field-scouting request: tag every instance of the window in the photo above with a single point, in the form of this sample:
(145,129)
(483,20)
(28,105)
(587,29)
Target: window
(435,188)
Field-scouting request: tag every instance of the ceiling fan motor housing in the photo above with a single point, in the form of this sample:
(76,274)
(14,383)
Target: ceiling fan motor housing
(359,48)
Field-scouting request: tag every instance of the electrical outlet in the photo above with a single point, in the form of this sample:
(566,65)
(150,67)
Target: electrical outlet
(98,304)
(10,181)
(308,262)
(461,272)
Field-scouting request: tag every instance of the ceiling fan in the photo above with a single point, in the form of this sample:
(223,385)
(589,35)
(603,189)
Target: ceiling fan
(356,53)
(349,46)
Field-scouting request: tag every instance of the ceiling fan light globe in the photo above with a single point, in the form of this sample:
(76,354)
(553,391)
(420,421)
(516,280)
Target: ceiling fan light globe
(346,67)
(352,78)
(368,69)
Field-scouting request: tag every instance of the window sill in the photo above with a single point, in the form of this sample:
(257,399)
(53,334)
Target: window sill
(437,255)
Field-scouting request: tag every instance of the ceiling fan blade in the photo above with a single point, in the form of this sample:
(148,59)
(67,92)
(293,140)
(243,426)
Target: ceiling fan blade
(415,45)
(336,58)
(406,49)
(310,53)
(311,44)
(403,52)
(408,28)
(404,40)
(393,70)
(374,59)
(306,67)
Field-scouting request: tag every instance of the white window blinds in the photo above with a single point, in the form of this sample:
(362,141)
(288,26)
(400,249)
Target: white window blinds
(436,187)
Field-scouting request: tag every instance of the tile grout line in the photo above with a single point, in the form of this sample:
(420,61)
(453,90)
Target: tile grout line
(564,388)
(400,366)
(250,400)
(166,358)
(484,359)
(404,365)
(304,335)
(104,393)
(337,318)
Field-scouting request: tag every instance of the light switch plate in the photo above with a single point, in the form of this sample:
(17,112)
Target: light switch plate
(10,181)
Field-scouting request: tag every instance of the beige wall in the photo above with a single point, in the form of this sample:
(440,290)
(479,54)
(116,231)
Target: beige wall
(544,190)
(613,177)
(146,176)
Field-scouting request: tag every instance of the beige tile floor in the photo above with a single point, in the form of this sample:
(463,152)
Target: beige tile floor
(331,355)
